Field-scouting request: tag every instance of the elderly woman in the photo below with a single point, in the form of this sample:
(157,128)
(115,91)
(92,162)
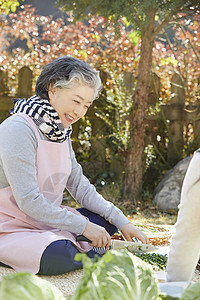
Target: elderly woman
(37,233)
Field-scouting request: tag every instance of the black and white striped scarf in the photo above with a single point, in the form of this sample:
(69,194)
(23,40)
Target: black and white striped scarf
(44,116)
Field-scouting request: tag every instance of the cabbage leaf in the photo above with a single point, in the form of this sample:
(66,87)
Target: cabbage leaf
(27,286)
(191,292)
(118,275)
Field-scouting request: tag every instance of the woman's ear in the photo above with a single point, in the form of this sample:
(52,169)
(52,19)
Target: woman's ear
(51,90)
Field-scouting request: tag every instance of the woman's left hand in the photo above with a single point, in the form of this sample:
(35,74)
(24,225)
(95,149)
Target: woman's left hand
(130,231)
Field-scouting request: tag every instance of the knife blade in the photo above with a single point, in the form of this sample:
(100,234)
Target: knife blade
(119,244)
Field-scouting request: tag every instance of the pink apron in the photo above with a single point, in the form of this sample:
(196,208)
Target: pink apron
(22,238)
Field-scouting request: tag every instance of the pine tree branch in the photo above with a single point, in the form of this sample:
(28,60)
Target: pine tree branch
(178,9)
(192,46)
(158,28)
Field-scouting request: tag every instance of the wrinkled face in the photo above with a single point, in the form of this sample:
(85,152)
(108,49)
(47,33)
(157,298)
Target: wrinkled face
(71,104)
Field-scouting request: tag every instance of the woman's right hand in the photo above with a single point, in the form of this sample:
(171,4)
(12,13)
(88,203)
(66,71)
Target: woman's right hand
(98,235)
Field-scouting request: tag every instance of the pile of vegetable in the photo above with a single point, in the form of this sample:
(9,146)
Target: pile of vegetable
(26,286)
(158,261)
(120,275)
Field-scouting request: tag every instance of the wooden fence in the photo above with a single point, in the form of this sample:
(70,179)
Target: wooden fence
(173,117)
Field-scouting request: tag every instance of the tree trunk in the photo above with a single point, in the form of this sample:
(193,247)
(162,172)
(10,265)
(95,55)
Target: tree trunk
(135,164)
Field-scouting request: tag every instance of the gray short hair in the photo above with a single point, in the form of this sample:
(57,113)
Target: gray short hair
(67,72)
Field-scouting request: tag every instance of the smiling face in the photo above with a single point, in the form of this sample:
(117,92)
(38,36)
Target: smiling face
(71,104)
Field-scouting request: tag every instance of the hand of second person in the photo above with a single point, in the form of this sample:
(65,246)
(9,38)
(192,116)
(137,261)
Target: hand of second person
(129,231)
(98,235)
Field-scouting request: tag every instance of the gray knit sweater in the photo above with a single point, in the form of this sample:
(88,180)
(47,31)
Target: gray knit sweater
(18,147)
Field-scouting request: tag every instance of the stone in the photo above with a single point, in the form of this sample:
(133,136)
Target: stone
(167,193)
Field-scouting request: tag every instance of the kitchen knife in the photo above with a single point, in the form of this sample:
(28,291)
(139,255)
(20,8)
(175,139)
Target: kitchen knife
(119,244)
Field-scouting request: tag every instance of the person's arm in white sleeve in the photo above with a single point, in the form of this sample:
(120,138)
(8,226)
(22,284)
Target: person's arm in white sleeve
(185,247)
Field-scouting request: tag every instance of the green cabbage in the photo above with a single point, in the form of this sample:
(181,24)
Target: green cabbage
(26,286)
(192,292)
(118,275)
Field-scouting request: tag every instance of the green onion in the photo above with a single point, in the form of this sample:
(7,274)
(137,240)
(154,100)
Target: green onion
(158,261)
